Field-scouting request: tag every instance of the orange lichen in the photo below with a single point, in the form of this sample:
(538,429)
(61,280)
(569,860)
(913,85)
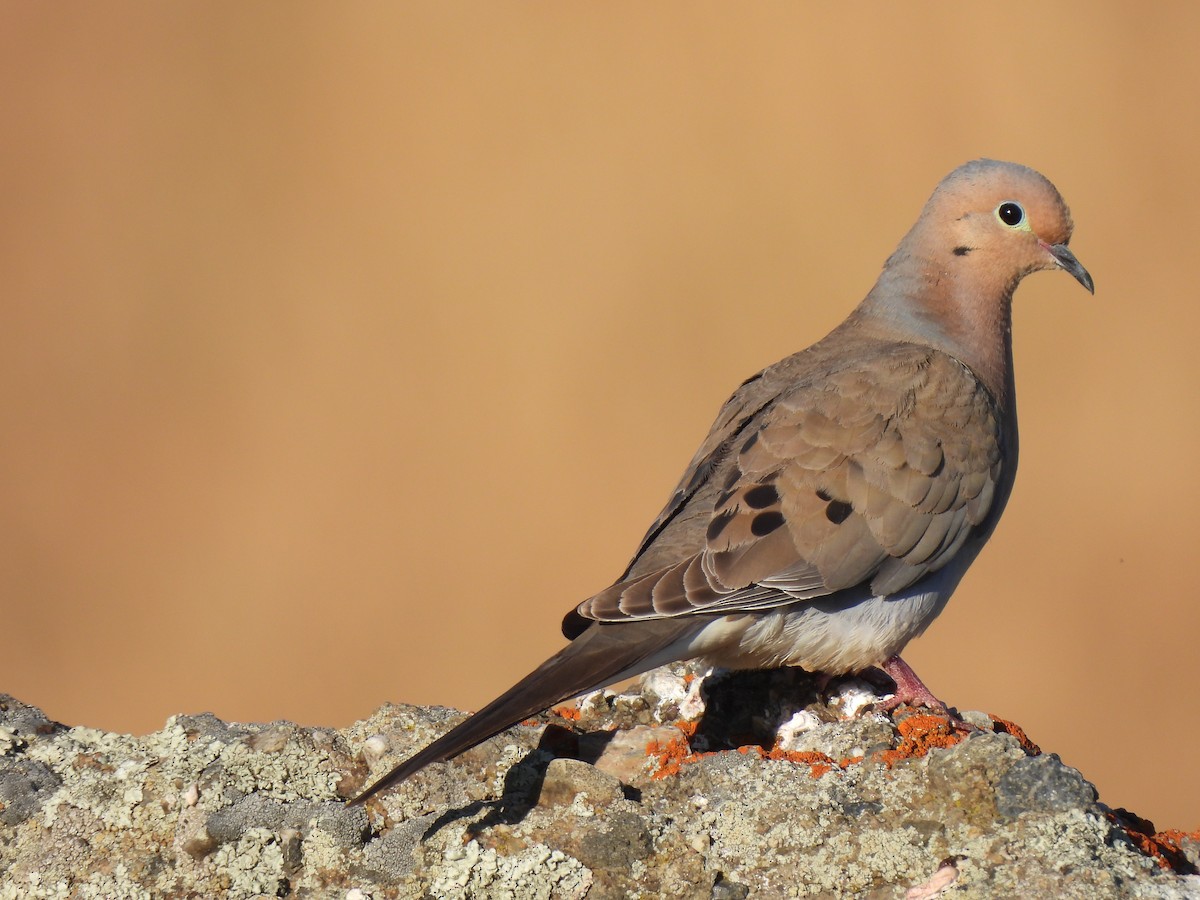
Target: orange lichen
(818,763)
(1004,726)
(1170,845)
(1164,847)
(919,734)
(671,756)
(569,712)
(1175,836)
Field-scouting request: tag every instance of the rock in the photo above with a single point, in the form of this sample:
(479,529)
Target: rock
(623,753)
(1042,784)
(567,780)
(867,806)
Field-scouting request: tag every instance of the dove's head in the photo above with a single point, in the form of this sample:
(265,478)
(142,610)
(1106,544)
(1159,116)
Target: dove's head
(991,223)
(950,282)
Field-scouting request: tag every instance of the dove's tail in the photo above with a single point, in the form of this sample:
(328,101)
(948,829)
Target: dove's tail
(602,654)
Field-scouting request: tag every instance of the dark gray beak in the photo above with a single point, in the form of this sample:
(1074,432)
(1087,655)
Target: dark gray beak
(1066,259)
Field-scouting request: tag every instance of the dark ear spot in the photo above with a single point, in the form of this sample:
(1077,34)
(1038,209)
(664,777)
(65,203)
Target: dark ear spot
(962,251)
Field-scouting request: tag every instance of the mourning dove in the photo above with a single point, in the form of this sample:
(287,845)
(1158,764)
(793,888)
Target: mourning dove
(842,492)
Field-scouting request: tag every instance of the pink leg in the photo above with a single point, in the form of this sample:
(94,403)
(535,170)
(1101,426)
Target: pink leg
(910,689)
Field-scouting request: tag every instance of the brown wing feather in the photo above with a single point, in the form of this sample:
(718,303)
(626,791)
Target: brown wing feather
(876,473)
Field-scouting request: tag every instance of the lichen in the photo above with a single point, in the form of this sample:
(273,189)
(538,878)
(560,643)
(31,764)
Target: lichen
(867,806)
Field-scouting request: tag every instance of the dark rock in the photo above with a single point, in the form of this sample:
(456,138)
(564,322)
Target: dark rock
(1042,784)
(25,786)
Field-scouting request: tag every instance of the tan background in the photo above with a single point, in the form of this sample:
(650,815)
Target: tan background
(345,347)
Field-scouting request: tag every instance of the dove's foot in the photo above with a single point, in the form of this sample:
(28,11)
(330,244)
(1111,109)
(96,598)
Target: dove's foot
(911,691)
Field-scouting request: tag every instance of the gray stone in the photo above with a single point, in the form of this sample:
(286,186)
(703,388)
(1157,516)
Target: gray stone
(25,786)
(1042,784)
(207,808)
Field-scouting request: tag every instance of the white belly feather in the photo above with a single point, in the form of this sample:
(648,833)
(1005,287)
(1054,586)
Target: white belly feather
(831,635)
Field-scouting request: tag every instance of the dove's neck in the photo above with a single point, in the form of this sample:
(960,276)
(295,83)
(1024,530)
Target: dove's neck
(919,301)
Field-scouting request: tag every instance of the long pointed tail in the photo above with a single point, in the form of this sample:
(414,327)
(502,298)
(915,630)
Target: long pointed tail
(602,654)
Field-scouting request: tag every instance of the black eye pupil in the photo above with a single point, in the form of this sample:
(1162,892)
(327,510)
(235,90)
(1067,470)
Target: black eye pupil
(1011,213)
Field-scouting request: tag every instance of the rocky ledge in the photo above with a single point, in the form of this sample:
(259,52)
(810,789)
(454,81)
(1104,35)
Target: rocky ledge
(737,785)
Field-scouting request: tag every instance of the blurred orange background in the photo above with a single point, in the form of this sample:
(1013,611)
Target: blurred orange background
(345,347)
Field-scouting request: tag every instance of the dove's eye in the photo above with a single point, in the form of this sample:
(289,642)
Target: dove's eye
(1011,214)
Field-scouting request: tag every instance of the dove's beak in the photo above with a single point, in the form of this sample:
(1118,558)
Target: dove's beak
(1066,260)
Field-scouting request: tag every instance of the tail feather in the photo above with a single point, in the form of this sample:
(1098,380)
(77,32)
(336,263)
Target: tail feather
(602,654)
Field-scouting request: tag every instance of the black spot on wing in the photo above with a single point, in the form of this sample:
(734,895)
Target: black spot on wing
(761,497)
(838,511)
(717,525)
(683,497)
(766,522)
